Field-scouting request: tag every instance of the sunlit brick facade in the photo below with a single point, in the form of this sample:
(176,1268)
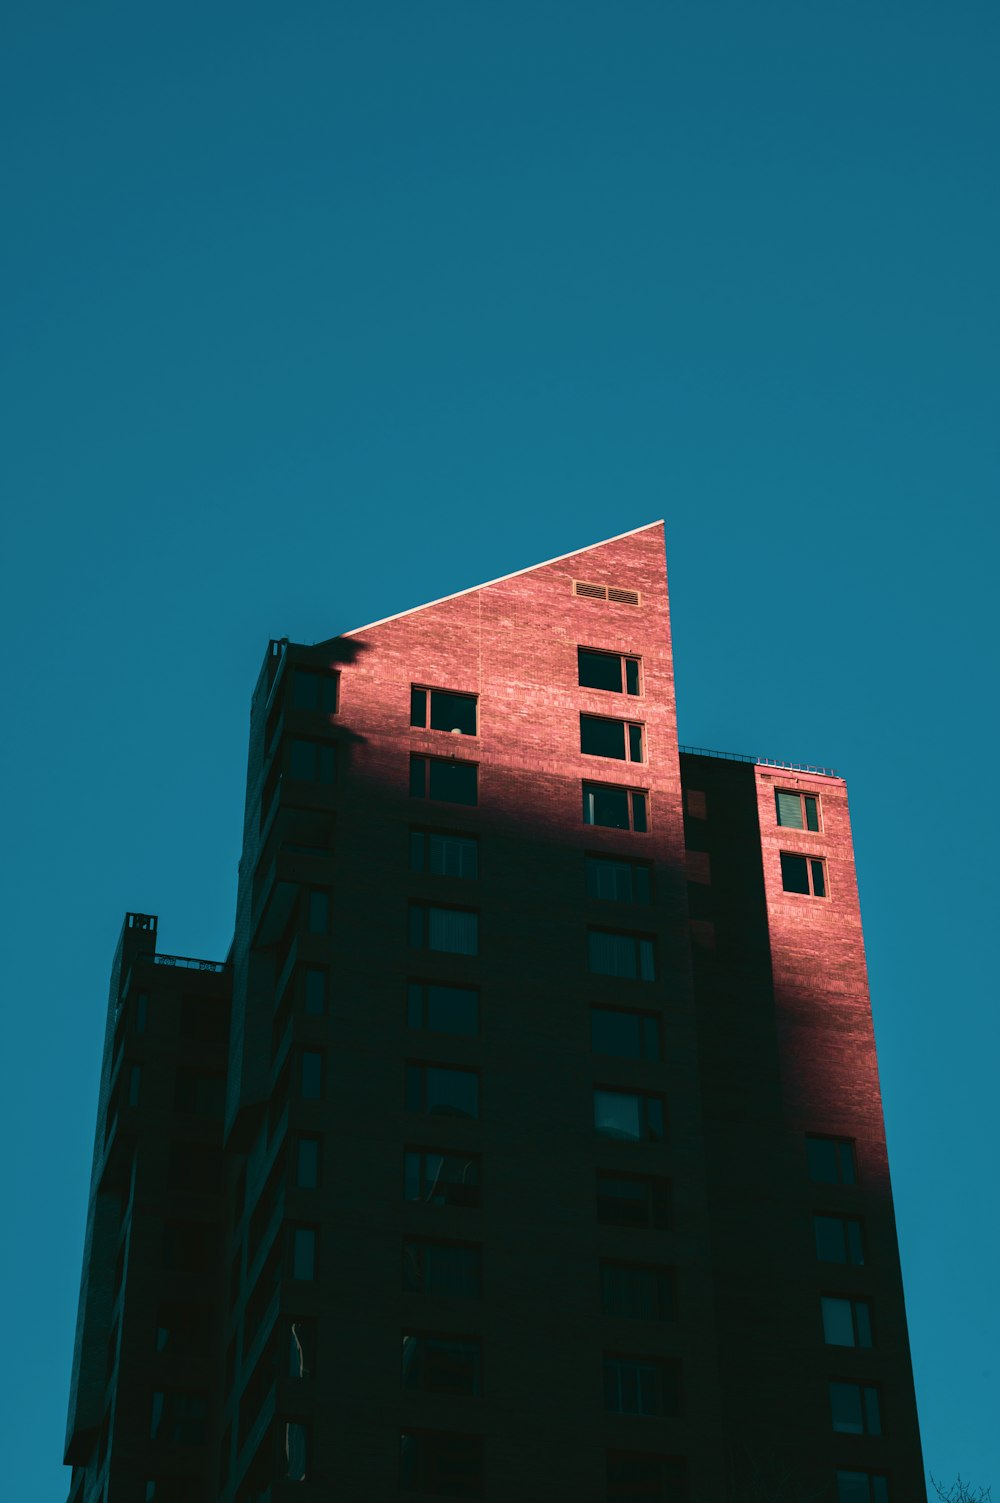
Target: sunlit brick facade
(545,1161)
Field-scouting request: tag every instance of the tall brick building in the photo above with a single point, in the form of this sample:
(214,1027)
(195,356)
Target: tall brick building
(528,1145)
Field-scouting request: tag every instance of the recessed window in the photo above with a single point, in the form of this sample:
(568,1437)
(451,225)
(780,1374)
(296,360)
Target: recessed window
(307,1163)
(440,710)
(638,1477)
(442,1090)
(317,911)
(296,1458)
(638,1292)
(641,1385)
(311,1075)
(444,855)
(312,761)
(612,671)
(862,1487)
(615,808)
(627,1035)
(846,1322)
(831,1161)
(854,1409)
(638,1200)
(452,931)
(441,1465)
(301,1349)
(804,874)
(304,1243)
(444,780)
(316,690)
(442,1179)
(315,987)
(614,953)
(631,1116)
(796,811)
(839,1239)
(603,737)
(615,881)
(442,1009)
(442,1364)
(454,1268)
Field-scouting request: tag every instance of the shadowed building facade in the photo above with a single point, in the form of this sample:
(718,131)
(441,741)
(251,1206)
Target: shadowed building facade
(528,1144)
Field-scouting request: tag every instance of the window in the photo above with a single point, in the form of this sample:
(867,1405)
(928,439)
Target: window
(448,712)
(180,1417)
(796,811)
(627,1035)
(442,1179)
(312,761)
(804,874)
(316,982)
(862,1487)
(618,881)
(200,1093)
(444,779)
(634,1200)
(316,690)
(141,1012)
(442,1364)
(854,1409)
(451,931)
(630,1115)
(444,855)
(637,1477)
(602,737)
(297,1459)
(607,670)
(317,911)
(831,1161)
(134,1084)
(641,1385)
(442,1091)
(441,1465)
(453,1268)
(311,1075)
(301,1349)
(307,1163)
(846,1322)
(637,1292)
(442,1009)
(839,1240)
(613,953)
(614,808)
(304,1239)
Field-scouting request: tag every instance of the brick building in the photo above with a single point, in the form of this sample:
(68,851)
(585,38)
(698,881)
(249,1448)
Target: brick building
(528,1144)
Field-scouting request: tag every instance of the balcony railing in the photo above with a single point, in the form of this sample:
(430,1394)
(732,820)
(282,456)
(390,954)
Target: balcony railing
(704,751)
(189,964)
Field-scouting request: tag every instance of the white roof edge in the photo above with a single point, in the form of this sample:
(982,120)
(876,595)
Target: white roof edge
(499,580)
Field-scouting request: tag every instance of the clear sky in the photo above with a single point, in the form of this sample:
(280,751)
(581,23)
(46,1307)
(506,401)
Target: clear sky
(313,312)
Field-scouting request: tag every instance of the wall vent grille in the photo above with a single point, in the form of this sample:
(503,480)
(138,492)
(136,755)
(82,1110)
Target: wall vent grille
(611,593)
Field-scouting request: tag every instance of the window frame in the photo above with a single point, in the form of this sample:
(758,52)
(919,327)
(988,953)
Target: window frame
(421,1153)
(644,954)
(845,1149)
(418,916)
(662,1367)
(865,1391)
(643,1016)
(628,741)
(643,1097)
(854,1301)
(423,1242)
(801,794)
(424,1004)
(426,759)
(323,677)
(428,691)
(811,862)
(594,860)
(624,658)
(657,1200)
(665,1277)
(423,1066)
(590,789)
(851,1241)
(472,1341)
(420,840)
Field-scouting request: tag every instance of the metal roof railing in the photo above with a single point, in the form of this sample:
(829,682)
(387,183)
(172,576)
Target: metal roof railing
(704,751)
(189,964)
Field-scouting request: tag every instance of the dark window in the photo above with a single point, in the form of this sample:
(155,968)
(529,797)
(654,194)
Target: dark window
(614,953)
(839,1239)
(200,1093)
(846,1322)
(804,874)
(450,931)
(601,737)
(634,1200)
(141,1012)
(797,811)
(448,712)
(637,1292)
(442,1009)
(314,689)
(632,1116)
(445,780)
(607,670)
(614,808)
(180,1417)
(307,1163)
(311,1075)
(442,1179)
(442,1268)
(296,1450)
(862,1487)
(442,1364)
(316,981)
(854,1409)
(641,1385)
(444,855)
(312,761)
(301,1349)
(442,1091)
(304,1242)
(441,1465)
(831,1161)
(618,881)
(637,1477)
(628,1035)
(317,911)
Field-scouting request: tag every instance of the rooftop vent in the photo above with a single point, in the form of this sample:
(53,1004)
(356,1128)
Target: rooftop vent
(612,593)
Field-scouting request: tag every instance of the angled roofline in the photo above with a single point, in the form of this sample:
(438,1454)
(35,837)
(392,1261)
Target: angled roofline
(529,569)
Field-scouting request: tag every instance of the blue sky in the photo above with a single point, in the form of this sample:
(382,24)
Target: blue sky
(315,312)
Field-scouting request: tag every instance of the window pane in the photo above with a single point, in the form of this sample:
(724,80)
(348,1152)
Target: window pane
(855,1244)
(618,1115)
(418,707)
(602,738)
(612,954)
(610,880)
(794,875)
(821,1159)
(880,1490)
(312,1075)
(647,960)
(452,1093)
(453,782)
(863,1322)
(845,1160)
(632,675)
(315,992)
(852,1487)
(873,1418)
(304,1253)
(845,1409)
(628,1035)
(453,712)
(442,1179)
(305,690)
(605,806)
(453,930)
(601,670)
(831,1246)
(656,1128)
(819,879)
(635,743)
(307,1167)
(838,1324)
(812,811)
(296,1451)
(639,812)
(452,1009)
(789,806)
(318,912)
(302,1349)
(451,856)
